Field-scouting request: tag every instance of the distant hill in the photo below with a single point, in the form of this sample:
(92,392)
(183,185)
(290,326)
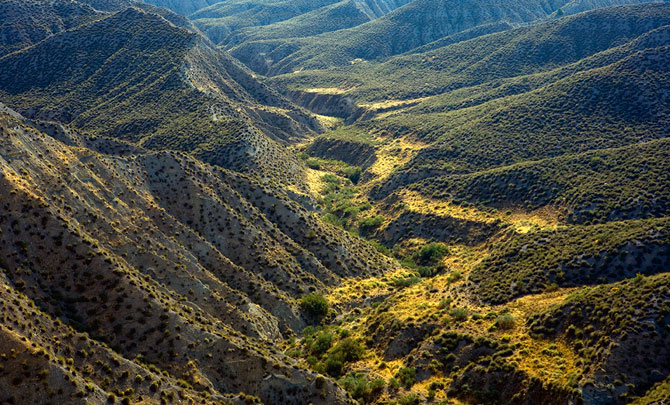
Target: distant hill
(413,25)
(454,62)
(27,22)
(341,15)
(223,18)
(183,7)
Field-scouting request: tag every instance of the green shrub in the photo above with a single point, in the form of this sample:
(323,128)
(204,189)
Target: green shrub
(406,376)
(409,399)
(459,314)
(505,322)
(353,174)
(350,348)
(431,254)
(358,385)
(315,305)
(323,342)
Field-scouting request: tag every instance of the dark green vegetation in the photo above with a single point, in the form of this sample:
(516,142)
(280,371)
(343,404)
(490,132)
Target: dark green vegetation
(187,279)
(453,62)
(417,23)
(567,118)
(315,305)
(593,187)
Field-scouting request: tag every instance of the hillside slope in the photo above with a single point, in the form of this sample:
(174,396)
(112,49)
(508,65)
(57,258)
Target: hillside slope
(341,15)
(454,62)
(413,25)
(135,76)
(224,263)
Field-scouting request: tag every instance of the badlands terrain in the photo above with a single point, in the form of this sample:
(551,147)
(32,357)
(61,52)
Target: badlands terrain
(334,202)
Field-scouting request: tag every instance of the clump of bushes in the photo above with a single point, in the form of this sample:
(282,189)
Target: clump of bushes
(361,388)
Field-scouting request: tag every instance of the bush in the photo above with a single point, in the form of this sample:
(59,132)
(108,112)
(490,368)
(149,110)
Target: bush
(406,376)
(358,385)
(323,342)
(315,305)
(431,254)
(350,349)
(505,321)
(459,314)
(405,281)
(346,350)
(353,174)
(370,224)
(409,399)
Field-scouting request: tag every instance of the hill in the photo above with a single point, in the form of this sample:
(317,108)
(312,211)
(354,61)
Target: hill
(488,62)
(590,110)
(578,255)
(28,22)
(184,8)
(135,76)
(413,25)
(224,264)
(341,15)
(586,188)
(224,18)
(616,328)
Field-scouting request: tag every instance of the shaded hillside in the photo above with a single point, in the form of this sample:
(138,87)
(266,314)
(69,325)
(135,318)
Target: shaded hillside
(616,328)
(27,22)
(599,186)
(135,76)
(183,7)
(620,104)
(411,26)
(224,18)
(574,256)
(450,64)
(189,252)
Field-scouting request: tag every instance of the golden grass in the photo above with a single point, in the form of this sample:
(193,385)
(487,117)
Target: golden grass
(391,155)
(382,105)
(327,90)
(328,122)
(547,359)
(521,221)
